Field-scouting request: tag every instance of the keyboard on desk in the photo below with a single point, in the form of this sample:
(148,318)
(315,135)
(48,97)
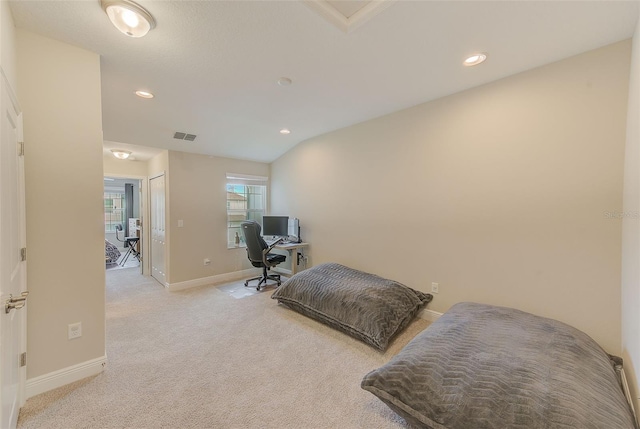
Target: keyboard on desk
(272,242)
(283,241)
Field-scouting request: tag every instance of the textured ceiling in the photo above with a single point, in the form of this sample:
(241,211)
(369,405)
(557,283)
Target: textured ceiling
(213,65)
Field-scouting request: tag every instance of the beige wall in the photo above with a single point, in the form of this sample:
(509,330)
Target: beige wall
(197,189)
(59,90)
(119,167)
(7,44)
(158,164)
(499,193)
(631,229)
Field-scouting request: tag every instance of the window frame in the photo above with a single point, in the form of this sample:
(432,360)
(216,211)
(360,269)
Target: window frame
(108,211)
(245,181)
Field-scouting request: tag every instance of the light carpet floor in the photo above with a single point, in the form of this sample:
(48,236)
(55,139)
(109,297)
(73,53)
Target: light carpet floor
(201,358)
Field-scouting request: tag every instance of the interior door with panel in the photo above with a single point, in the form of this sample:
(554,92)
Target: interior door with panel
(12,259)
(157,224)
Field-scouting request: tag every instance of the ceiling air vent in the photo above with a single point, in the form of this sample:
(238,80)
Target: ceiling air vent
(184,136)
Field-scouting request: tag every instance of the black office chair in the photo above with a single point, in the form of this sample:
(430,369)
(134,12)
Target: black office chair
(131,243)
(258,253)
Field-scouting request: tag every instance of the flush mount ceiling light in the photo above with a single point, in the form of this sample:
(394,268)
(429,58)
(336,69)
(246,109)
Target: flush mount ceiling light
(129,17)
(120,154)
(285,131)
(475,59)
(144,94)
(284,81)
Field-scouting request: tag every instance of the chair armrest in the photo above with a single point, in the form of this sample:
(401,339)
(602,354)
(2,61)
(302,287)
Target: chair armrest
(266,251)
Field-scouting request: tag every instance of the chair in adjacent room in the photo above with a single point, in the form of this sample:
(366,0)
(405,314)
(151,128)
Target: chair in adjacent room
(258,253)
(131,243)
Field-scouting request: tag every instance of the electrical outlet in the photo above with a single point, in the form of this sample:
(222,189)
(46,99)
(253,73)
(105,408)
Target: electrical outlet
(435,287)
(207,261)
(75,330)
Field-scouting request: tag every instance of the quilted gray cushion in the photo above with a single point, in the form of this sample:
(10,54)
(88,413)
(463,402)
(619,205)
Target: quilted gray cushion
(480,366)
(111,252)
(365,306)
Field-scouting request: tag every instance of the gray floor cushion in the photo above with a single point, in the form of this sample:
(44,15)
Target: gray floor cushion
(480,366)
(365,306)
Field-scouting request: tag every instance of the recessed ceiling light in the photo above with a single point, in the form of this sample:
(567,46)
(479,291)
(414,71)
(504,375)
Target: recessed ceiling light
(144,94)
(129,17)
(285,131)
(120,154)
(284,81)
(475,59)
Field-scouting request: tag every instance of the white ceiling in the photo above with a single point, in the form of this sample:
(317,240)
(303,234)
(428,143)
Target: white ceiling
(213,65)
(138,153)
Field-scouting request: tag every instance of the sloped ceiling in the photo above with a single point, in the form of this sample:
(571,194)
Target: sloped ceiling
(214,65)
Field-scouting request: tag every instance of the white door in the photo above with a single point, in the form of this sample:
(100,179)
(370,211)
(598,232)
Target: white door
(12,266)
(157,221)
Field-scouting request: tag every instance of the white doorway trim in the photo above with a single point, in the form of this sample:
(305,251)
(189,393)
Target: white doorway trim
(144,214)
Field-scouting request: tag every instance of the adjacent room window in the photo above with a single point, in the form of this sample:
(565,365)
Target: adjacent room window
(113,210)
(246,200)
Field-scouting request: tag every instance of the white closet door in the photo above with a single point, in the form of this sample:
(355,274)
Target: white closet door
(157,218)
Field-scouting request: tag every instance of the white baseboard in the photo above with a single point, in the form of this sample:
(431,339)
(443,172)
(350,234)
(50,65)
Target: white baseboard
(220,278)
(62,377)
(429,315)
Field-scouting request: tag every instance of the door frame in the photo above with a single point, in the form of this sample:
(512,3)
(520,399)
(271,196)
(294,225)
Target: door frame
(144,214)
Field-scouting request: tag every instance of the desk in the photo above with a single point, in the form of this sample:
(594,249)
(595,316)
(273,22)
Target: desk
(292,249)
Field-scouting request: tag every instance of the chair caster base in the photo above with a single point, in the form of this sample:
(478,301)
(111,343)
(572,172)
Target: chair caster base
(263,281)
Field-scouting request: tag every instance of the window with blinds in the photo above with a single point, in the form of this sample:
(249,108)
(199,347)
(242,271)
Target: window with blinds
(246,200)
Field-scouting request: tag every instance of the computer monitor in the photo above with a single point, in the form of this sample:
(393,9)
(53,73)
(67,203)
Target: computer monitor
(275,225)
